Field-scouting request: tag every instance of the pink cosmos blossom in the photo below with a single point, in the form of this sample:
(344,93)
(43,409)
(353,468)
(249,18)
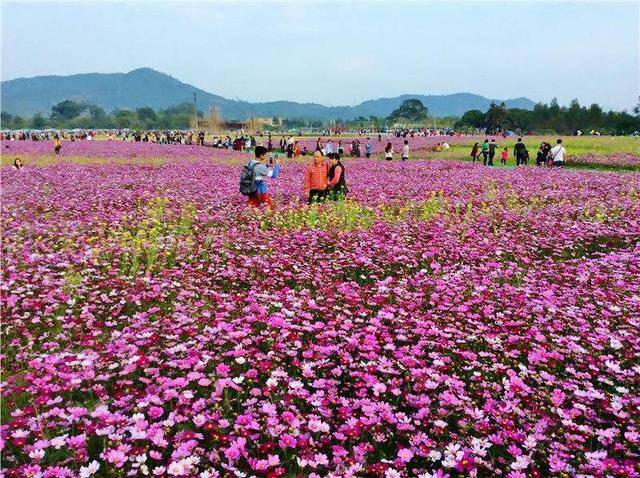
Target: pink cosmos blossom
(483,320)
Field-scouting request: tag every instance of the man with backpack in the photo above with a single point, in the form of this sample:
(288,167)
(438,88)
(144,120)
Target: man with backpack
(253,182)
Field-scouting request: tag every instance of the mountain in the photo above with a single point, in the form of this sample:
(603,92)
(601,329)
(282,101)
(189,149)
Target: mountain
(147,87)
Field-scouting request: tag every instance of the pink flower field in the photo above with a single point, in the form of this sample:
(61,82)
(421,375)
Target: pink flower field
(620,160)
(446,320)
(103,149)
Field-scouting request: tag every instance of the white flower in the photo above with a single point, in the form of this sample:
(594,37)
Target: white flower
(87,471)
(241,360)
(521,463)
(448,462)
(391,473)
(530,442)
(452,449)
(58,442)
(177,468)
(36,454)
(435,455)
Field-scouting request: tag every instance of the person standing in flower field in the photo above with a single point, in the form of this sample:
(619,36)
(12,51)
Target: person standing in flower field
(543,153)
(475,152)
(492,151)
(57,145)
(556,155)
(337,183)
(485,151)
(504,155)
(405,150)
(253,182)
(316,179)
(328,148)
(388,151)
(520,152)
(368,149)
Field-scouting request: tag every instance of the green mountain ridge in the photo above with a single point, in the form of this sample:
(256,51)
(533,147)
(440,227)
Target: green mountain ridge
(147,87)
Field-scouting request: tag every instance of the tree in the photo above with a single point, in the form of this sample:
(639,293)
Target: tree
(473,119)
(67,109)
(496,117)
(125,119)
(19,122)
(5,119)
(410,111)
(147,117)
(38,122)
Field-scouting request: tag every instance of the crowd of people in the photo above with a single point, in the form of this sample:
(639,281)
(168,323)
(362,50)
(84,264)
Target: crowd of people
(324,178)
(546,155)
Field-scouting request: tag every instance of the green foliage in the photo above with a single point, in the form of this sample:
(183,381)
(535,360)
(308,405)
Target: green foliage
(5,119)
(496,118)
(410,111)
(300,123)
(147,116)
(67,109)
(473,118)
(125,119)
(38,121)
(416,210)
(551,118)
(152,243)
(544,119)
(343,215)
(347,214)
(70,114)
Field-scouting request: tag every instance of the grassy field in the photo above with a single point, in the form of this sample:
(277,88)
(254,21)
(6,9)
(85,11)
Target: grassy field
(578,148)
(581,151)
(575,145)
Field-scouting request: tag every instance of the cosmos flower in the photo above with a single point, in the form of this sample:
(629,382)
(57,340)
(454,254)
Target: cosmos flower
(446,319)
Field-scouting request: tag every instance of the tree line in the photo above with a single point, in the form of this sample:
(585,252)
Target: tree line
(552,118)
(544,118)
(69,114)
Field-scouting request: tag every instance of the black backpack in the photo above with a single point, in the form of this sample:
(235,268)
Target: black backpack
(248,184)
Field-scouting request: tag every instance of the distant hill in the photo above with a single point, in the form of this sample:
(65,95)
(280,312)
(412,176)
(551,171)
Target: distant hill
(147,87)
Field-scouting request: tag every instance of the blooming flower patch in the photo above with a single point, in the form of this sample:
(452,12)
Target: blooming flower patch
(103,149)
(92,150)
(621,160)
(447,320)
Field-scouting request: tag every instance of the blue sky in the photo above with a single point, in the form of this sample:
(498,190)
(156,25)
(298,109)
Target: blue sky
(341,53)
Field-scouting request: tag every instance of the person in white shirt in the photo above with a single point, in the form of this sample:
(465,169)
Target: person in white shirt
(388,151)
(557,154)
(405,150)
(328,148)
